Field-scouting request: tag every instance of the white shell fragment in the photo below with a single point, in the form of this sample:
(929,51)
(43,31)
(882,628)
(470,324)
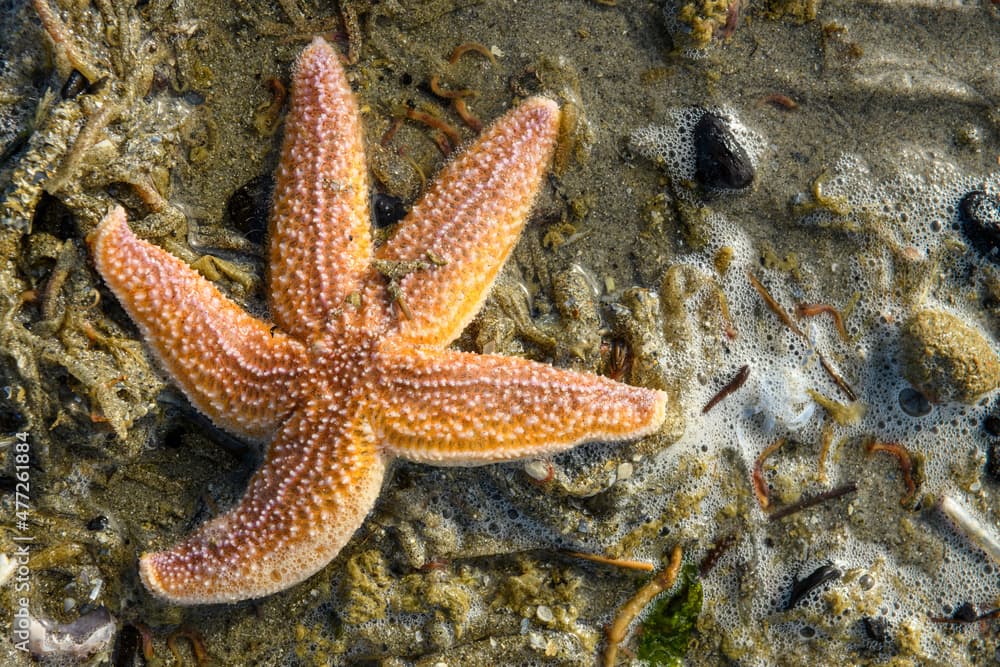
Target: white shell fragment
(966,523)
(80,639)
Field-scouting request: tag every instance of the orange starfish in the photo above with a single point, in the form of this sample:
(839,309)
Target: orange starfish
(346,379)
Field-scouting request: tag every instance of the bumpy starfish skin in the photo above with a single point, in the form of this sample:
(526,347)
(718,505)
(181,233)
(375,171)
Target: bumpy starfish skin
(343,381)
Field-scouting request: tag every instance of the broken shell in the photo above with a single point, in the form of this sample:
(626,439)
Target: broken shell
(80,639)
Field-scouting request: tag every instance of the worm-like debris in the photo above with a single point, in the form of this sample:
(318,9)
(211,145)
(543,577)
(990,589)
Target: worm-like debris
(759,484)
(812,501)
(659,583)
(731,386)
(905,465)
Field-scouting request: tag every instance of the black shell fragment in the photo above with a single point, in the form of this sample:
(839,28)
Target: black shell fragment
(76,83)
(802,587)
(721,163)
(979,215)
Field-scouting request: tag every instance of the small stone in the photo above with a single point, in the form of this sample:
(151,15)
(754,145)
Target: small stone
(993,461)
(99,522)
(947,359)
(387,209)
(544,613)
(624,471)
(721,162)
(979,215)
(991,424)
(877,628)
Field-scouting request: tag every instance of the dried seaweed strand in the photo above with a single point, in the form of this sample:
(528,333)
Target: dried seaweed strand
(985,616)
(65,48)
(759,484)
(349,15)
(738,380)
(905,465)
(825,440)
(775,307)
(812,501)
(837,379)
(659,583)
(715,553)
(87,137)
(617,562)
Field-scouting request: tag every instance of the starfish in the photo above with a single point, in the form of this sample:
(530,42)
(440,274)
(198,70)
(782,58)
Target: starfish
(343,379)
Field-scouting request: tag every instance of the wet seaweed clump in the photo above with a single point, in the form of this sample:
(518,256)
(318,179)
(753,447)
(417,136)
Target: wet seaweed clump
(666,631)
(721,162)
(979,217)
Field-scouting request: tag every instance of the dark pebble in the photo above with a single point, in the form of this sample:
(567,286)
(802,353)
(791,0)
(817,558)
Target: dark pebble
(966,613)
(388,209)
(979,215)
(99,522)
(993,461)
(721,162)
(876,629)
(992,425)
(249,206)
(913,402)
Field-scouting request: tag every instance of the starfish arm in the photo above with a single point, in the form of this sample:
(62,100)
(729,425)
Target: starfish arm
(231,366)
(471,218)
(320,479)
(457,408)
(320,243)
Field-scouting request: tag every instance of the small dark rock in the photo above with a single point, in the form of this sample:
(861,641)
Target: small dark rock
(992,425)
(993,461)
(721,162)
(388,210)
(965,613)
(876,629)
(249,206)
(99,522)
(979,215)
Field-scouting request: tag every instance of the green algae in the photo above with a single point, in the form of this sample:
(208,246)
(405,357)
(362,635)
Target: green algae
(667,628)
